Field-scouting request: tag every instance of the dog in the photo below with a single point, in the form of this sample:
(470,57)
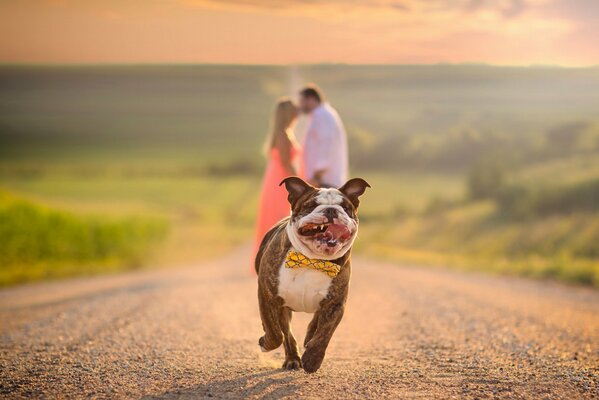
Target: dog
(303,265)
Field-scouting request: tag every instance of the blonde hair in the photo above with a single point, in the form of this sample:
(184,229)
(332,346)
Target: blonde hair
(284,114)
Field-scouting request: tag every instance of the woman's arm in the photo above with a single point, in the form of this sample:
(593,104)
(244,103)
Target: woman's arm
(283,144)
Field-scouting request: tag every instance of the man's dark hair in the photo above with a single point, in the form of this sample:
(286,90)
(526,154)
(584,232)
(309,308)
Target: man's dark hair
(312,91)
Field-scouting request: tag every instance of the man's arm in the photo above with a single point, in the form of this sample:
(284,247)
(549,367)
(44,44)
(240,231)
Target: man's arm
(316,179)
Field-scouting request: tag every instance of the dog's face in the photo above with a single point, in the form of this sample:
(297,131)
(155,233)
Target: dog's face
(324,222)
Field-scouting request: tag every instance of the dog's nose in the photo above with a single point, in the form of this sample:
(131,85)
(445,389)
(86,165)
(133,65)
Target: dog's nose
(330,213)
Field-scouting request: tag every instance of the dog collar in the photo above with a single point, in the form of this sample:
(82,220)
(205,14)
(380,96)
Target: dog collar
(296,259)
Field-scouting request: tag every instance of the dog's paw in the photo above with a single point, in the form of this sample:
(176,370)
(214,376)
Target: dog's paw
(261,344)
(292,364)
(265,345)
(311,360)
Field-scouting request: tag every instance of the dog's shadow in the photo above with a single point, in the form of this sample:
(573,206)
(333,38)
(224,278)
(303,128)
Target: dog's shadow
(270,384)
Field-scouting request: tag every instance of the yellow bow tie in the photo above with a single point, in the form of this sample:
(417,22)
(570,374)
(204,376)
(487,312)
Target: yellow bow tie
(298,260)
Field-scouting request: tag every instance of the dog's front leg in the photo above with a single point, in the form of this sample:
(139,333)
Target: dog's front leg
(311,329)
(292,357)
(270,311)
(328,317)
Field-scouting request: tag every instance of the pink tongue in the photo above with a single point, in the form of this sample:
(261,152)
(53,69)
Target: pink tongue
(337,231)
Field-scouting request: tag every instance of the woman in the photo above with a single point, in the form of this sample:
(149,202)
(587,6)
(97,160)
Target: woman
(282,152)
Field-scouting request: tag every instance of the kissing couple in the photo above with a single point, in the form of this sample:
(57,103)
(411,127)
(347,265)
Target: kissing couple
(321,159)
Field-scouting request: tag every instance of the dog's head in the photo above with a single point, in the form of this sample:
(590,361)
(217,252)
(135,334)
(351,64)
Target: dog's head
(324,222)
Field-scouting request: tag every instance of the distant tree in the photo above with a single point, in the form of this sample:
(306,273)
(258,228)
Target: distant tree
(564,138)
(485,180)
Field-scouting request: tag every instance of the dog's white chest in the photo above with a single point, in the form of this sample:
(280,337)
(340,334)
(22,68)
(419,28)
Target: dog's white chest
(303,288)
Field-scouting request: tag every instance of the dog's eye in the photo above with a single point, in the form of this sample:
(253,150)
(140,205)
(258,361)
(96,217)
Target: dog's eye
(347,209)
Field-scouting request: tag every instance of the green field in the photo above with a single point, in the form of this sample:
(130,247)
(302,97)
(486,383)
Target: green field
(181,145)
(40,242)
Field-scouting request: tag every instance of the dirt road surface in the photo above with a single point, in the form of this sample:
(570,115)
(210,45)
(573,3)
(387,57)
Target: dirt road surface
(192,333)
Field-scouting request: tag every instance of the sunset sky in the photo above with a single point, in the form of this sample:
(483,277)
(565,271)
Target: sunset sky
(512,32)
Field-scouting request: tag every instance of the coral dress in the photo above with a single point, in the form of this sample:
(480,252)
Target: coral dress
(273,198)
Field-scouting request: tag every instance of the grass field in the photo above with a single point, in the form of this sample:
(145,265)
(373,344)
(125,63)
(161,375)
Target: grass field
(476,235)
(473,238)
(204,214)
(39,242)
(207,215)
(181,145)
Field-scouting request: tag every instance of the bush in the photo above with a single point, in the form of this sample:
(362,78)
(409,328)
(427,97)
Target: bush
(437,205)
(32,235)
(485,181)
(525,202)
(516,202)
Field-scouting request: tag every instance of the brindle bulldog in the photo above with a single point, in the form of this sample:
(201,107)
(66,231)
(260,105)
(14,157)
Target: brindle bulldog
(303,265)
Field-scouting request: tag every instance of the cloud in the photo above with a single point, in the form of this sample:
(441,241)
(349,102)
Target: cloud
(410,20)
(505,8)
(302,4)
(584,12)
(283,31)
(500,31)
(508,9)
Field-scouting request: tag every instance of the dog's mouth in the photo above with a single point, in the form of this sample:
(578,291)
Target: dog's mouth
(330,234)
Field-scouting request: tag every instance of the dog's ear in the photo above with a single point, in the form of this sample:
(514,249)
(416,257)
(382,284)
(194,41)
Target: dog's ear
(296,187)
(353,189)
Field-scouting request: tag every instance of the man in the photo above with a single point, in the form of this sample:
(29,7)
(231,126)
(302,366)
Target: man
(325,142)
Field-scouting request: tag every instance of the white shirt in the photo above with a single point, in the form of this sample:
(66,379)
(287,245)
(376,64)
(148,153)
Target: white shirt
(325,147)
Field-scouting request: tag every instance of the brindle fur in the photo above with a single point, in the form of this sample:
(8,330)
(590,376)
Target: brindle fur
(276,317)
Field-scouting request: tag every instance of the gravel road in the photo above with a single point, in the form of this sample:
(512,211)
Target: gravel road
(192,333)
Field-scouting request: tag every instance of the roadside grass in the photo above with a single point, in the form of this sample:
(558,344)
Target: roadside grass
(439,226)
(209,215)
(39,242)
(472,237)
(206,215)
(564,269)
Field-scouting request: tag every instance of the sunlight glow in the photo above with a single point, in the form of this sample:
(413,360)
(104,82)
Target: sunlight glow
(519,32)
